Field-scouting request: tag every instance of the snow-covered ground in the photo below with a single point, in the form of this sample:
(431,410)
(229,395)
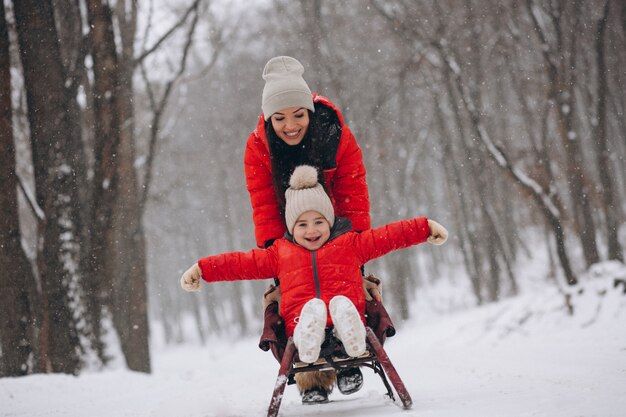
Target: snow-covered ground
(524,356)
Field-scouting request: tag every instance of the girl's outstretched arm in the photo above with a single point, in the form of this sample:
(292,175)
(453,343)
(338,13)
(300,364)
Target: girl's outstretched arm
(232,266)
(375,243)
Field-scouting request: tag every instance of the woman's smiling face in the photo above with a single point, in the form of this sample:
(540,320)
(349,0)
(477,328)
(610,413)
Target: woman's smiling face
(291,124)
(311,231)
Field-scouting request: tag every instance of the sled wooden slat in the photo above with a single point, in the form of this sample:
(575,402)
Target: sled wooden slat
(390,370)
(281,380)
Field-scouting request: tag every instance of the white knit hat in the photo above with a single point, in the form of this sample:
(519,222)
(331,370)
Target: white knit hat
(304,194)
(284,86)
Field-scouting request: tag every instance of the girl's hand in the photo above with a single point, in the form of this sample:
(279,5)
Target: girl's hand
(190,281)
(438,233)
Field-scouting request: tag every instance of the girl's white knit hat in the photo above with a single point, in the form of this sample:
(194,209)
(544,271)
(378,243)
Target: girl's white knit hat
(306,193)
(284,86)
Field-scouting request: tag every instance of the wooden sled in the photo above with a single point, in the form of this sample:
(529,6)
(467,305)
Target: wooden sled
(332,355)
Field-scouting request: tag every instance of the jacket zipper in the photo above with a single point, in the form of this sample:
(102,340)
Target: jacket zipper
(315,276)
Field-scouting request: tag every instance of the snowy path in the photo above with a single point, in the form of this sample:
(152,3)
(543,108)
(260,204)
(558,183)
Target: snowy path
(453,366)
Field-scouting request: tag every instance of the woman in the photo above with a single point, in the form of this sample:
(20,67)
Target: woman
(301,128)
(298,128)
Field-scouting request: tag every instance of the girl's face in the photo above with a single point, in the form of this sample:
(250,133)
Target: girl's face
(312,230)
(291,124)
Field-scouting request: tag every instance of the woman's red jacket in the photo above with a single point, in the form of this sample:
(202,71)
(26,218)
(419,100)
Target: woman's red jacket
(346,184)
(333,269)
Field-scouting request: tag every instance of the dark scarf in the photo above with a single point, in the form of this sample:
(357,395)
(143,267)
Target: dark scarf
(318,148)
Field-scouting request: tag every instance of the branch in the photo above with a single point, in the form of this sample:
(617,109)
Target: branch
(546,49)
(159,108)
(501,159)
(219,42)
(31,200)
(498,155)
(166,35)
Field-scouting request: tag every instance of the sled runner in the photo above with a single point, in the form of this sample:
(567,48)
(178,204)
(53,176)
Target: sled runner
(332,355)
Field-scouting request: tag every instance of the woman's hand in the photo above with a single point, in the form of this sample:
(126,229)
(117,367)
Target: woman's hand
(190,281)
(373,288)
(272,295)
(438,233)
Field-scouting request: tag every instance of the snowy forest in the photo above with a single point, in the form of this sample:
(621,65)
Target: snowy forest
(123,127)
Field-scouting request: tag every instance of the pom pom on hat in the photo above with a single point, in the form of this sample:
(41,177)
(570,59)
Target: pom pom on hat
(304,176)
(304,194)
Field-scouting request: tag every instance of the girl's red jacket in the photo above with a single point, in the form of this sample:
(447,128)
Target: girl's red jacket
(333,269)
(346,184)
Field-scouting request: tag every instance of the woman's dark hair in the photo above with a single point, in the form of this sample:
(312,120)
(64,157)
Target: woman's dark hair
(318,148)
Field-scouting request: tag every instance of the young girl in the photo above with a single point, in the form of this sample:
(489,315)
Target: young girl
(318,263)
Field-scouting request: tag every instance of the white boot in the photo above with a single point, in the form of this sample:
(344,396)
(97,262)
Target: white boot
(349,327)
(309,333)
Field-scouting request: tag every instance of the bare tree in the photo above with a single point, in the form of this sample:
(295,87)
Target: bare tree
(605,166)
(54,152)
(560,61)
(129,296)
(106,126)
(130,312)
(463,86)
(17,281)
(542,197)
(158,105)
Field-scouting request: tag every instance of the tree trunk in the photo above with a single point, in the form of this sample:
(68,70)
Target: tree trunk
(549,207)
(54,153)
(130,312)
(17,281)
(561,92)
(130,303)
(73,51)
(603,160)
(468,212)
(106,149)
(320,52)
(214,323)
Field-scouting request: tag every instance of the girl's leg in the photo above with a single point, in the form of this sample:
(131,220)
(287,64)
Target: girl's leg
(309,333)
(349,327)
